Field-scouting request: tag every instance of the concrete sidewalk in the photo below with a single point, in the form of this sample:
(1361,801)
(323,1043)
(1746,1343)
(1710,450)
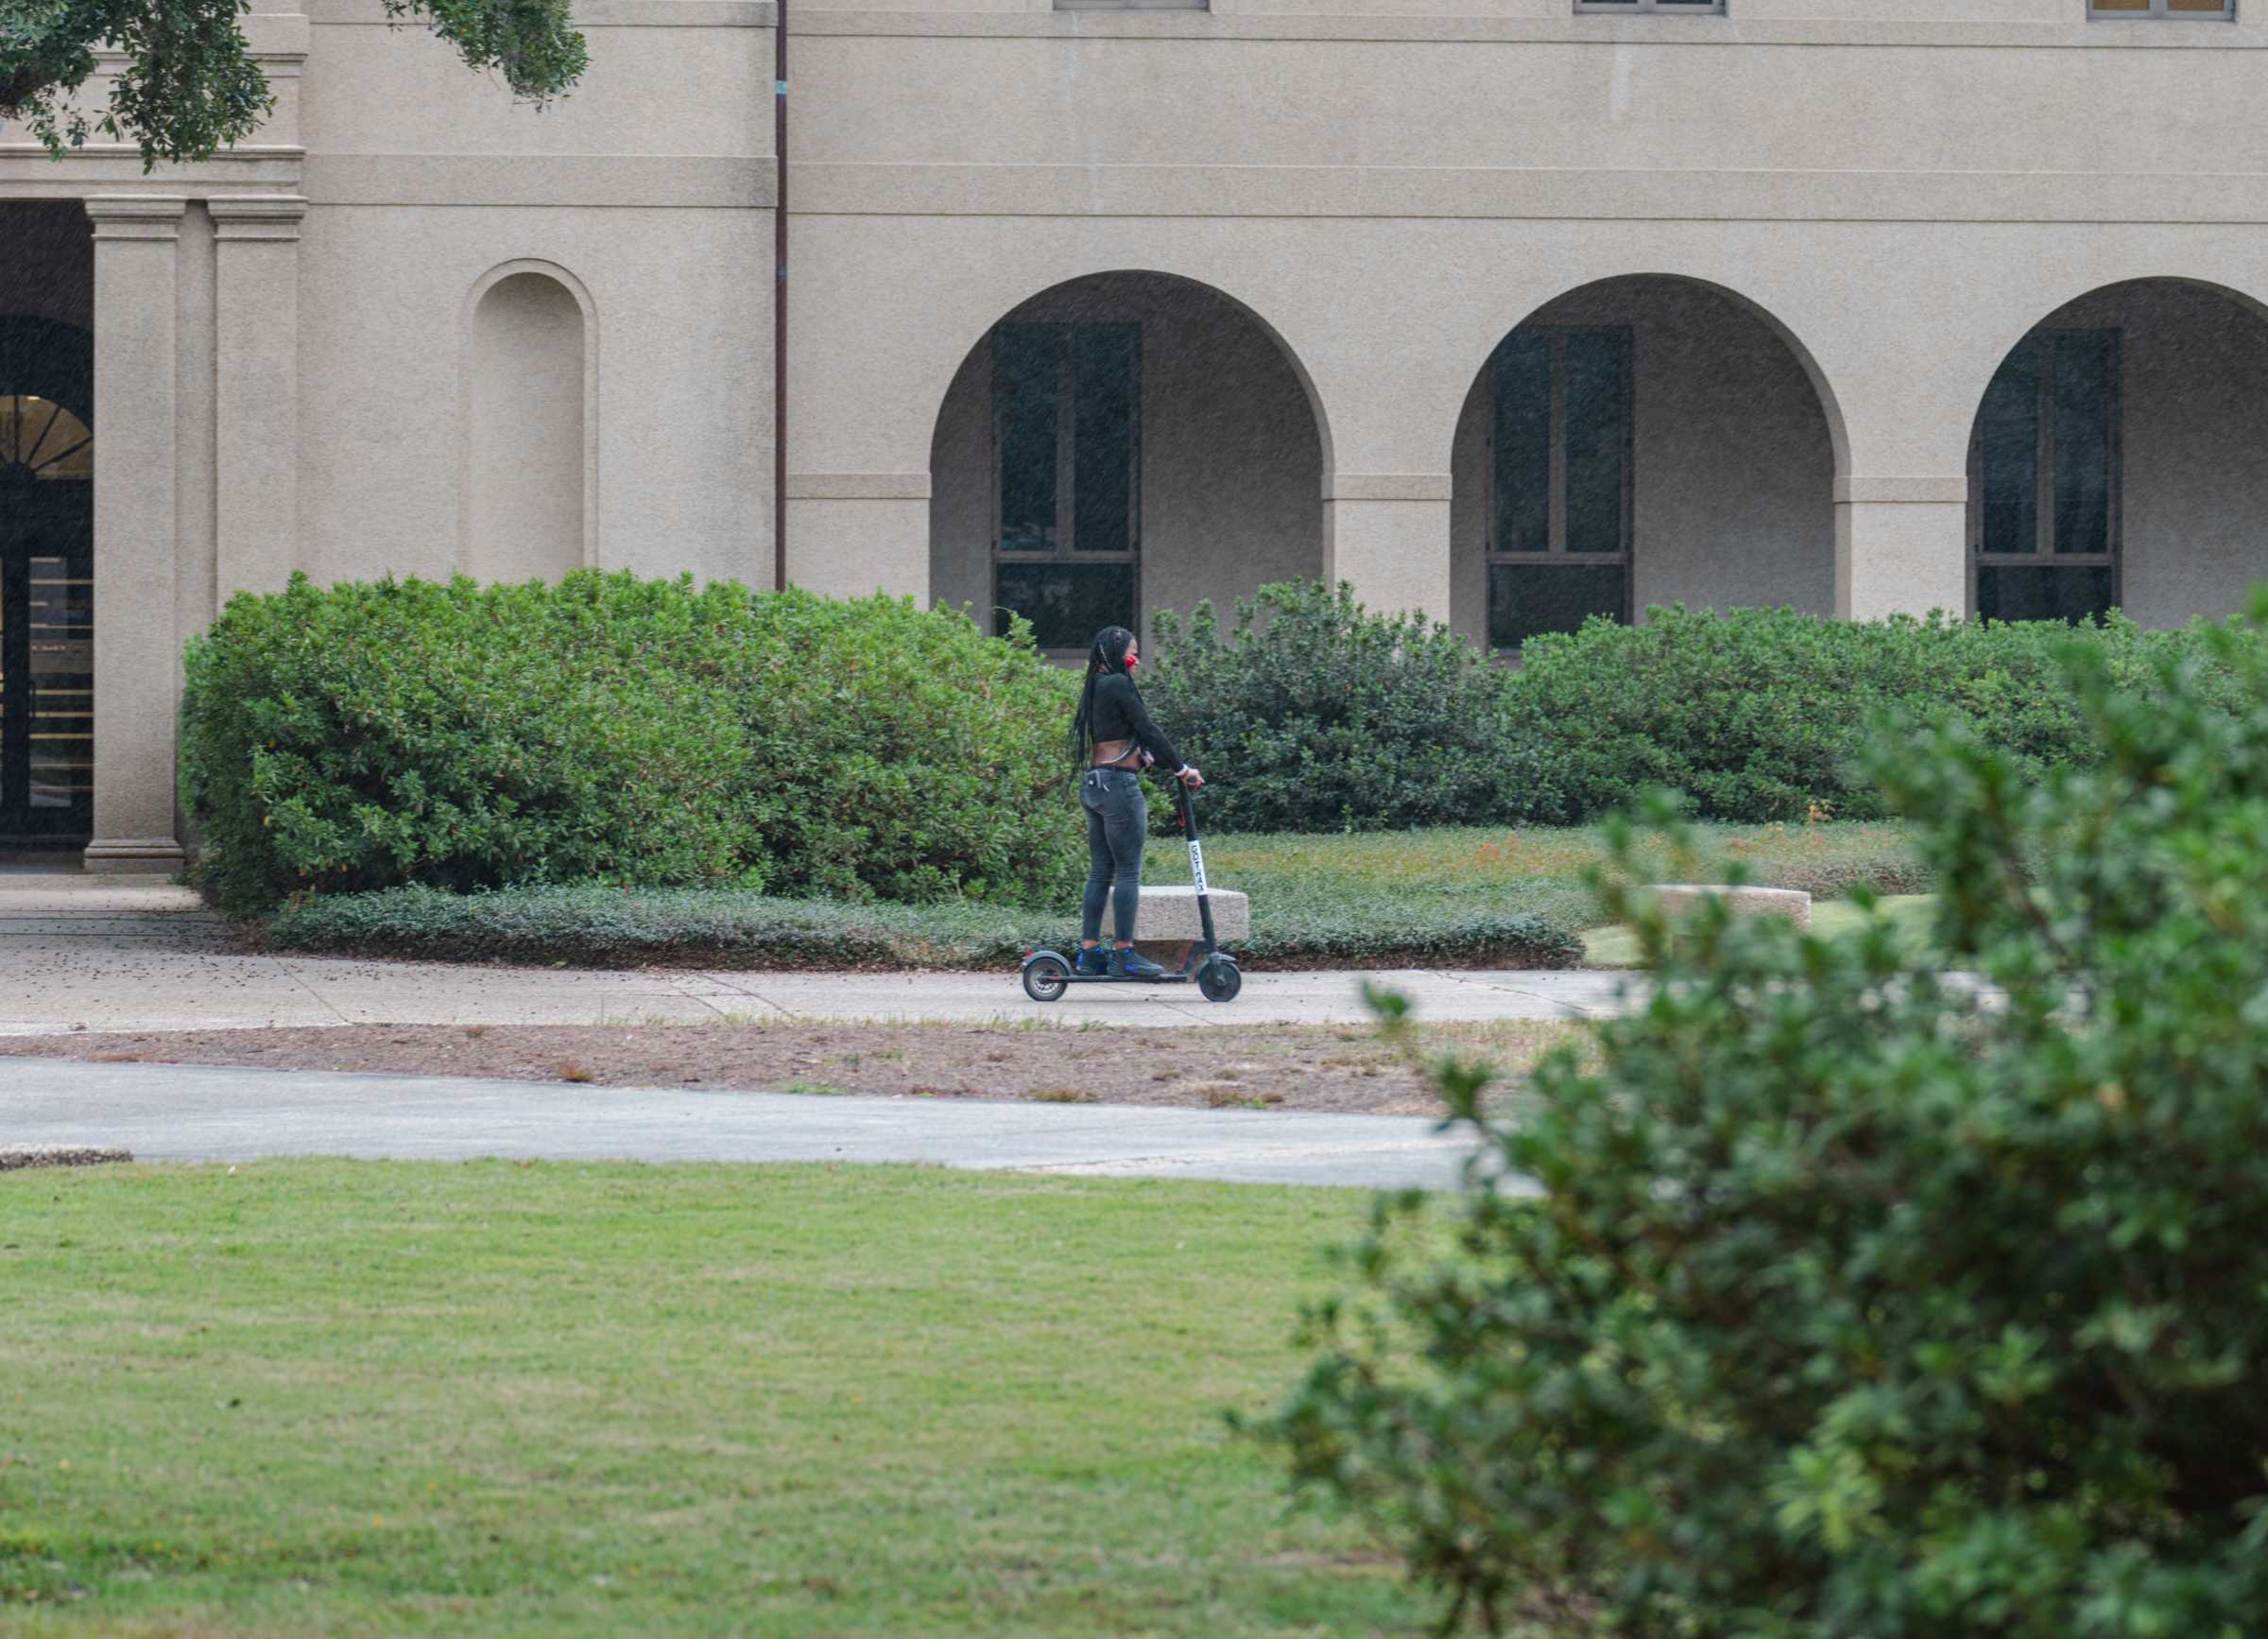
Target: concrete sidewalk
(187,1113)
(100,954)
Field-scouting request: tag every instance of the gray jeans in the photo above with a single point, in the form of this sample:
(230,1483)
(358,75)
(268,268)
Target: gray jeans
(1118,822)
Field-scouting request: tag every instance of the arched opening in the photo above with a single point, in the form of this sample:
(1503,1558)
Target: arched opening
(1639,440)
(2119,459)
(1120,444)
(46,525)
(526,470)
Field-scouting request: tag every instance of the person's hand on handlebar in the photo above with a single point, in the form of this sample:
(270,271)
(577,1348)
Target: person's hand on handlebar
(1189,777)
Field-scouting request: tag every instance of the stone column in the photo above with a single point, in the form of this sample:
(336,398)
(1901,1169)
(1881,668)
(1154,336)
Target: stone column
(1901,547)
(137,643)
(256,327)
(1388,533)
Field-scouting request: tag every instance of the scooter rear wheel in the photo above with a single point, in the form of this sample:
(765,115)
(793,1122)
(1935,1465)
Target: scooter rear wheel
(1219,980)
(1046,976)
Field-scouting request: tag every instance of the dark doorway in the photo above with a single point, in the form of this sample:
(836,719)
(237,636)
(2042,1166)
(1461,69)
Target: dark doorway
(46,581)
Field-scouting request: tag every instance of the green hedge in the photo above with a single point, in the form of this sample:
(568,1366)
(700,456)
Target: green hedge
(368,735)
(1318,714)
(595,927)
(1762,714)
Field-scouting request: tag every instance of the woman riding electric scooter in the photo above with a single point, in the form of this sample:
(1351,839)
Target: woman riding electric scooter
(1112,740)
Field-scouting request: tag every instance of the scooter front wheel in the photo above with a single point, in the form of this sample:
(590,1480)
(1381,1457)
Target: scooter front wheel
(1046,976)
(1219,979)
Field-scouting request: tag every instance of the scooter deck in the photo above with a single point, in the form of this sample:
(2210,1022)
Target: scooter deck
(1123,979)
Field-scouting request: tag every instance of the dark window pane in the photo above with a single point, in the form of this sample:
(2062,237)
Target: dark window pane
(2008,440)
(2086,404)
(1026,385)
(2024,594)
(1598,438)
(1520,392)
(1103,360)
(1066,603)
(1528,599)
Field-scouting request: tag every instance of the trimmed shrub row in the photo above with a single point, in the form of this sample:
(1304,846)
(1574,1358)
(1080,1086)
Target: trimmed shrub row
(652,734)
(597,927)
(362,736)
(1321,716)
(1765,714)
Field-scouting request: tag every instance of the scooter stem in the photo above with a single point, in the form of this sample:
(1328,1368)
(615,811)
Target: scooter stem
(1197,869)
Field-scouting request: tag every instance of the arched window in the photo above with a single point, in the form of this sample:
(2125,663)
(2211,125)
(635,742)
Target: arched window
(2119,459)
(1645,438)
(45,439)
(1120,443)
(525,446)
(47,579)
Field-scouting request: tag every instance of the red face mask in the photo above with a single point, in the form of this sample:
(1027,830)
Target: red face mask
(1132,661)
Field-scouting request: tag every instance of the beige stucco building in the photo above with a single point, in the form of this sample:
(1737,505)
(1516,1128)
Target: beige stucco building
(1507,311)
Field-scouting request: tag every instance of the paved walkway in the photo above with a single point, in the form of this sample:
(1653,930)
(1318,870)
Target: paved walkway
(102,955)
(97,954)
(190,1113)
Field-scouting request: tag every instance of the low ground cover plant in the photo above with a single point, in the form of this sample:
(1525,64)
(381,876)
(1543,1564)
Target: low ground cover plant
(1444,896)
(1858,1306)
(460,737)
(1323,716)
(598,926)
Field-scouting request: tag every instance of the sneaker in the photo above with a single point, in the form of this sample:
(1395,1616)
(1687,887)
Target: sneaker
(1093,964)
(1127,964)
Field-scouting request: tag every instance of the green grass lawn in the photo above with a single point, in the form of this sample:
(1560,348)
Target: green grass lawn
(356,1398)
(1443,871)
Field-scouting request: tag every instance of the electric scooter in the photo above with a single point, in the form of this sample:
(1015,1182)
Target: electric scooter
(1047,975)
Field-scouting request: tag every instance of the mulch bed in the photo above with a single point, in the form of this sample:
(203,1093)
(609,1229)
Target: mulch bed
(21,1157)
(1279,1067)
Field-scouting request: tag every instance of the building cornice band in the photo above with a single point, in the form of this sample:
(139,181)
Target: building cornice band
(674,181)
(858,486)
(1385,486)
(1866,488)
(1484,192)
(589,14)
(1605,33)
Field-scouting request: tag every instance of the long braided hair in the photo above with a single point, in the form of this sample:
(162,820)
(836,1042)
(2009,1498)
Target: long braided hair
(1106,658)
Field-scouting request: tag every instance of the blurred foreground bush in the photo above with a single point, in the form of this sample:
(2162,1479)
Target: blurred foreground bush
(1853,1306)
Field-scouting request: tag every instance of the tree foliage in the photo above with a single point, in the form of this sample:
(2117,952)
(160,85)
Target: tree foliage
(1860,1301)
(189,88)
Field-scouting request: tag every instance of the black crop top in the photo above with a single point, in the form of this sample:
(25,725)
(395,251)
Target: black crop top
(1118,715)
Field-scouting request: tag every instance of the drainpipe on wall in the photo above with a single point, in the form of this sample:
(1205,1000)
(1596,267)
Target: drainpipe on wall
(779,306)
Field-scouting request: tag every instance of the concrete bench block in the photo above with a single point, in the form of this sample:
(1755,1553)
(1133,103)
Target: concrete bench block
(1681,897)
(1171,913)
